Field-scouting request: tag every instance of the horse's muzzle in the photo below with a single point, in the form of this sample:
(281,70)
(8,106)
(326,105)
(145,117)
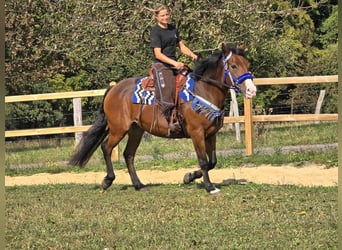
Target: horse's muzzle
(250,89)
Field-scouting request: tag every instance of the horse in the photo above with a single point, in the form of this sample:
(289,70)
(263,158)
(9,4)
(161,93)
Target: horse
(201,117)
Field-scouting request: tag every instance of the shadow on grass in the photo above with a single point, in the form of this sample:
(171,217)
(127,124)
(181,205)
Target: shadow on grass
(150,186)
(122,187)
(226,182)
(146,187)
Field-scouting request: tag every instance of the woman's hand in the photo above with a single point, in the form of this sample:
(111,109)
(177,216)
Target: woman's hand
(178,65)
(194,56)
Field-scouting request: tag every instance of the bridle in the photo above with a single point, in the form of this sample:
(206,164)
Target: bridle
(235,81)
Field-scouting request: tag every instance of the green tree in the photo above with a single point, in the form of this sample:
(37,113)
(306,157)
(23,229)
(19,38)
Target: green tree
(75,45)
(320,60)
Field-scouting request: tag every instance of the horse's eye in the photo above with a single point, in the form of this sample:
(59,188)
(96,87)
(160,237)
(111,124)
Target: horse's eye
(234,66)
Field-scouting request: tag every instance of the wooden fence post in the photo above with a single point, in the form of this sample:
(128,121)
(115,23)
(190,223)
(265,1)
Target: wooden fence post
(235,107)
(319,103)
(248,126)
(77,106)
(115,153)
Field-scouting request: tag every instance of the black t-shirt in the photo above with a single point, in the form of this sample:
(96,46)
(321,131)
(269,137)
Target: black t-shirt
(166,39)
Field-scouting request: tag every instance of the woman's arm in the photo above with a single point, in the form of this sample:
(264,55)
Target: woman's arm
(186,51)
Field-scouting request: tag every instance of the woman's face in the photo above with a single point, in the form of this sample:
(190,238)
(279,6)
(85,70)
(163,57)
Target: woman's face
(163,17)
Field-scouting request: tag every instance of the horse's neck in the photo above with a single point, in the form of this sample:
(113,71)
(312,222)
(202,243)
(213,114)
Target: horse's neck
(212,88)
(211,92)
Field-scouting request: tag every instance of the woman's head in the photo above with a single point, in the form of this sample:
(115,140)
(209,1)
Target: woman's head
(162,14)
(160,7)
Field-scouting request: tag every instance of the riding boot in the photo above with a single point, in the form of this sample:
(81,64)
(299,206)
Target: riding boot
(170,114)
(174,123)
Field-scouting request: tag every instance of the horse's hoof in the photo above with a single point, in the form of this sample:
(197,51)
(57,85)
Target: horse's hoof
(187,178)
(106,183)
(102,190)
(141,187)
(104,186)
(144,189)
(215,191)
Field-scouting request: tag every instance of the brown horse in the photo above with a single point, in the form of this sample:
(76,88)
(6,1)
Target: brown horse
(201,118)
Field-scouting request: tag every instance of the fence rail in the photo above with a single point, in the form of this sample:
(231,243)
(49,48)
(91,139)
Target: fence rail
(248,117)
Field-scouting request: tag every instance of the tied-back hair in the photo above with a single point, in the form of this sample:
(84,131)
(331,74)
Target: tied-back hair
(159,7)
(211,62)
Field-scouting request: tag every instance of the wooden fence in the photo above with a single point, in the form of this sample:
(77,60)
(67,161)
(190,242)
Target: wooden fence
(247,119)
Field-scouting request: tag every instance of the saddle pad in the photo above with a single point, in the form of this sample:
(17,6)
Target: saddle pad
(144,96)
(186,92)
(141,95)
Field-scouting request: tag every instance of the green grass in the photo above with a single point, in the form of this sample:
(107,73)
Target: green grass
(175,216)
(171,217)
(30,157)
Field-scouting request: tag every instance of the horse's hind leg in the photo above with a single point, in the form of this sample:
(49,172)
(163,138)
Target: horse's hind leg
(107,147)
(135,134)
(210,148)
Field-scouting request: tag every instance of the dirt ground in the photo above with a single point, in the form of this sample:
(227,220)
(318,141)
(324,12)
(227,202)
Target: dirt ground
(310,175)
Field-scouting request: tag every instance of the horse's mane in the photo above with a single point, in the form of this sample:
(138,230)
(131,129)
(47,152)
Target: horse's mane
(210,63)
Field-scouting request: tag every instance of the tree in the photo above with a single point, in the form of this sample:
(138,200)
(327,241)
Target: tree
(75,45)
(320,60)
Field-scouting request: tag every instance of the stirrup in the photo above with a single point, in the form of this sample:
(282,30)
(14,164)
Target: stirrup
(175,127)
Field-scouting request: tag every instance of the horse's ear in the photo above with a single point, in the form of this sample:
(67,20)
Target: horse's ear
(243,47)
(225,48)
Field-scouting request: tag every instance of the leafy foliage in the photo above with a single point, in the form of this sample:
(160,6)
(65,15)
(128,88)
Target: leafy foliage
(75,45)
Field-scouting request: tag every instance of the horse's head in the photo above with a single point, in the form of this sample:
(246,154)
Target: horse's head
(236,70)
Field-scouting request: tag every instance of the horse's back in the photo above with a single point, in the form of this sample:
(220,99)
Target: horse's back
(122,112)
(124,87)
(118,105)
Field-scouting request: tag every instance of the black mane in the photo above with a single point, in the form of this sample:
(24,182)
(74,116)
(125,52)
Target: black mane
(205,64)
(211,62)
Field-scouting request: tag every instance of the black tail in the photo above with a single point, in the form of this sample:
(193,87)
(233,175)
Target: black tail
(91,140)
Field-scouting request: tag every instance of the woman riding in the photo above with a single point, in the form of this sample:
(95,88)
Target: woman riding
(164,42)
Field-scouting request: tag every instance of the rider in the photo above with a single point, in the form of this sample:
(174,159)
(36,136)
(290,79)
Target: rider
(164,42)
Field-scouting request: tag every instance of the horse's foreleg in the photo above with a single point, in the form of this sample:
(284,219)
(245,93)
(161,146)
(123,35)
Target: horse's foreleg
(210,148)
(134,138)
(205,165)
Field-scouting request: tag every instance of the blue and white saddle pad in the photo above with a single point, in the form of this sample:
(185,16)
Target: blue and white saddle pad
(143,96)
(200,105)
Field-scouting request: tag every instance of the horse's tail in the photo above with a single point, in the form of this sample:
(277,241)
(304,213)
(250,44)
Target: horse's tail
(91,139)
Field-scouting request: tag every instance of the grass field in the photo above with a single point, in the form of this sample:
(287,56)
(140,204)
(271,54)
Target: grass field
(171,217)
(175,216)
